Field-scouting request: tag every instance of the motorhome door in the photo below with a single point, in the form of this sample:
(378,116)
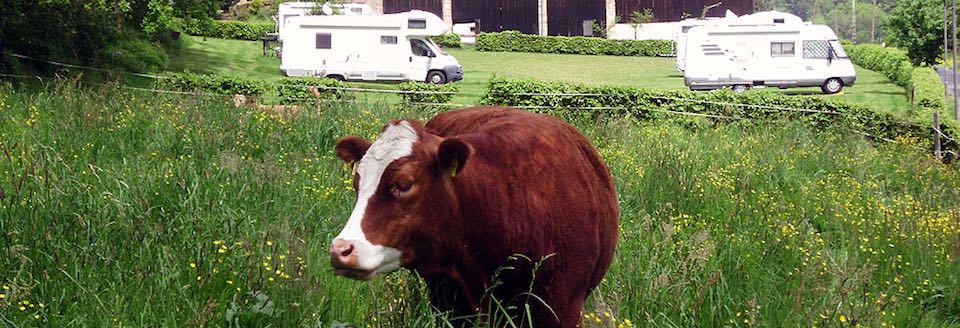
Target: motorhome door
(420,57)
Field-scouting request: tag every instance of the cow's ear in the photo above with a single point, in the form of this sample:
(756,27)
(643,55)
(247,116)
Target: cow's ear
(350,149)
(452,156)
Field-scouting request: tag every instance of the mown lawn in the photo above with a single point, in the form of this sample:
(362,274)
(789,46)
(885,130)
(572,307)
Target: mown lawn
(218,56)
(123,208)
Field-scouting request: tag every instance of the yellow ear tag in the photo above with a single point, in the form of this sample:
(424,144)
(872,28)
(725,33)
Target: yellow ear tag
(355,164)
(453,169)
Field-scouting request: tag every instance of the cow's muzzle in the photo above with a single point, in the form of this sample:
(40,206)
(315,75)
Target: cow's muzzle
(345,262)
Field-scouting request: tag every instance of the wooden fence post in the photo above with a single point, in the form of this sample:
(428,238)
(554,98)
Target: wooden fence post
(936,135)
(913,97)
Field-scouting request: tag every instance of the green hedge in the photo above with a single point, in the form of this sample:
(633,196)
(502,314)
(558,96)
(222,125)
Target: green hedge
(435,93)
(218,84)
(650,104)
(449,40)
(293,90)
(895,65)
(891,62)
(518,42)
(236,30)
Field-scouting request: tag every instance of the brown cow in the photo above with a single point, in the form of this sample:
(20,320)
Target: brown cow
(456,198)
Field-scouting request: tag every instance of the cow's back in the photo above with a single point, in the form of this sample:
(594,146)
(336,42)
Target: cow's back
(537,187)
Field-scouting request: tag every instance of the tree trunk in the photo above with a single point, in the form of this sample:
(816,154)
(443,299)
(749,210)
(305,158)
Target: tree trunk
(873,24)
(853,21)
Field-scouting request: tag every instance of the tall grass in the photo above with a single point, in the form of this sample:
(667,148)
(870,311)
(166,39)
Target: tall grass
(123,208)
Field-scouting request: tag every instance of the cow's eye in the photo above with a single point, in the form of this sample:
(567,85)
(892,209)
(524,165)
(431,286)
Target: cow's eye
(400,189)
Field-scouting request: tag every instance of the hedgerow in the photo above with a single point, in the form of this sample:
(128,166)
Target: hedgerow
(427,92)
(517,42)
(236,30)
(895,65)
(449,40)
(648,104)
(217,84)
(294,90)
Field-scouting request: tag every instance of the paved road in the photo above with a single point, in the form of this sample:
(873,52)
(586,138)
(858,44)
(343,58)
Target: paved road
(946,77)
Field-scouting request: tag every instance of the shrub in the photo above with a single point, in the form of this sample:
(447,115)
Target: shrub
(518,42)
(133,55)
(449,40)
(428,93)
(895,65)
(651,104)
(236,30)
(292,90)
(218,84)
(891,62)
(928,90)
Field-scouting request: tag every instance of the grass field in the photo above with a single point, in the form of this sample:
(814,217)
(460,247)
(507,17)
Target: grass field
(134,209)
(218,56)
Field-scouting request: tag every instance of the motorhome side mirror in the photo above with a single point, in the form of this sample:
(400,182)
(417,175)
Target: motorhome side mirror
(431,54)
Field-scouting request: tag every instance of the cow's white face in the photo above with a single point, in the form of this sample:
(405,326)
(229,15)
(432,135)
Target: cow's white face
(361,258)
(404,199)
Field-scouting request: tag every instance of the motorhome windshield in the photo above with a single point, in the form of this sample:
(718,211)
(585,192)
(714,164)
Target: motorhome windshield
(838,49)
(436,47)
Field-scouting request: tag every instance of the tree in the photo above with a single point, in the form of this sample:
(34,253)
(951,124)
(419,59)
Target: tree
(916,25)
(638,18)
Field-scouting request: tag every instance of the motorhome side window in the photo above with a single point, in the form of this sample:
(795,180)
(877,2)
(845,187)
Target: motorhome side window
(816,49)
(388,39)
(417,23)
(419,48)
(324,41)
(782,49)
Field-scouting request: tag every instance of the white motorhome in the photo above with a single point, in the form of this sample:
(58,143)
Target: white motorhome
(683,27)
(297,9)
(773,53)
(369,48)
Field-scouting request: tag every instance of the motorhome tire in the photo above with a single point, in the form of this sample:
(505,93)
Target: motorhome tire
(336,77)
(832,86)
(436,77)
(740,88)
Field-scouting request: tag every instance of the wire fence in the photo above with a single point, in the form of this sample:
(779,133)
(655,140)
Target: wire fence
(460,93)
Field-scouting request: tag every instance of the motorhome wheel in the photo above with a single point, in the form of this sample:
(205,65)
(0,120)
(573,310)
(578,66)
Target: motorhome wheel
(832,86)
(436,77)
(740,88)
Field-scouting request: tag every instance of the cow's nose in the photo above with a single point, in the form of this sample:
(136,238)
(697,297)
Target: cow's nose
(341,253)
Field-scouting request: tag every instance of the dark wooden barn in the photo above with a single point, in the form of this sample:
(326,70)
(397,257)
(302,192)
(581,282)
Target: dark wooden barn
(675,10)
(564,17)
(498,15)
(397,6)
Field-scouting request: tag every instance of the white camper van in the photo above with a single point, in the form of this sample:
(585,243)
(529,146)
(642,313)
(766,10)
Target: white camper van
(682,28)
(297,9)
(766,51)
(393,47)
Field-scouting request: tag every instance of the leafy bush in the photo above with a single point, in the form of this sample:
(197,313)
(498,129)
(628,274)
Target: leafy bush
(651,104)
(133,55)
(236,30)
(294,90)
(895,65)
(518,42)
(428,93)
(928,92)
(891,62)
(449,40)
(218,84)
